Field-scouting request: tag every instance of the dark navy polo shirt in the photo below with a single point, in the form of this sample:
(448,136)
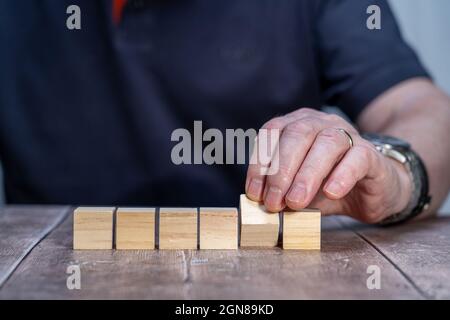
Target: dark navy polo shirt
(86,115)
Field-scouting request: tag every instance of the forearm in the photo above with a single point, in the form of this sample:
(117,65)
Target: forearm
(416,111)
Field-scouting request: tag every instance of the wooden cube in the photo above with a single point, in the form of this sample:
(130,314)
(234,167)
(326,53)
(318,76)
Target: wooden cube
(301,229)
(135,228)
(93,228)
(259,228)
(218,228)
(178,228)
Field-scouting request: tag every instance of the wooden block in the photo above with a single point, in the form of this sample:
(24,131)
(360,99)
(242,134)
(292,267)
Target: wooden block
(218,228)
(178,228)
(135,228)
(301,229)
(258,227)
(93,228)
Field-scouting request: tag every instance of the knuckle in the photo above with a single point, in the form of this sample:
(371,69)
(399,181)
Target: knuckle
(332,137)
(284,171)
(303,127)
(306,109)
(281,180)
(309,112)
(275,123)
(335,118)
(308,170)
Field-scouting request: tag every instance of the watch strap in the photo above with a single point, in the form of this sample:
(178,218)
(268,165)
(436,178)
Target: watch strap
(420,198)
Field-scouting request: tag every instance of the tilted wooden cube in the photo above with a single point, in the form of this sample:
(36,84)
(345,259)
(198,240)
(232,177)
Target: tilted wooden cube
(93,228)
(218,228)
(178,228)
(301,229)
(135,228)
(258,227)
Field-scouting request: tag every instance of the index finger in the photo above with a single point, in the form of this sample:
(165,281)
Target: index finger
(262,156)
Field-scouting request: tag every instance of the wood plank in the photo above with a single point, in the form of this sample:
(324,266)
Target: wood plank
(421,250)
(218,228)
(301,229)
(135,228)
(93,228)
(259,229)
(178,228)
(105,274)
(338,271)
(21,229)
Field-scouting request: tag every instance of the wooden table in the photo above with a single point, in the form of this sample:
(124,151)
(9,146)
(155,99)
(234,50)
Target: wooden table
(36,249)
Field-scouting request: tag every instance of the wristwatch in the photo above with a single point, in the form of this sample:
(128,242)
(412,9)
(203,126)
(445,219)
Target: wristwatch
(402,152)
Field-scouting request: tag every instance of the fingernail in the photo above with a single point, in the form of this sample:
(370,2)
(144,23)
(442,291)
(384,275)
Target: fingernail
(273,196)
(255,189)
(333,188)
(297,193)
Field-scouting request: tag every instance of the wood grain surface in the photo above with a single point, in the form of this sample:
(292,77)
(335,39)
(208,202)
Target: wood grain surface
(178,228)
(218,228)
(419,250)
(301,229)
(135,228)
(21,228)
(93,228)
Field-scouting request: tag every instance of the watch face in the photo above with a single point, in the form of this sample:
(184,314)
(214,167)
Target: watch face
(387,140)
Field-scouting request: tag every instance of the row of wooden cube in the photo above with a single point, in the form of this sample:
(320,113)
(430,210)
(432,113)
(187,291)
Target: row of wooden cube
(178,228)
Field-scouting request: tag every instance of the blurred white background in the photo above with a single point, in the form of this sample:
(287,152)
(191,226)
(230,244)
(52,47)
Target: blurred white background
(426,26)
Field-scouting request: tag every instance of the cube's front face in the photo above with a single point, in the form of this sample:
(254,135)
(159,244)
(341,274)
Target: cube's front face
(218,228)
(301,230)
(259,235)
(178,230)
(93,230)
(135,230)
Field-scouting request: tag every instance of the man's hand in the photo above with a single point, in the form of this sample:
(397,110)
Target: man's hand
(319,168)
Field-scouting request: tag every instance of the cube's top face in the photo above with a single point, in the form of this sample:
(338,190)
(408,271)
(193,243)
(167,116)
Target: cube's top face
(177,212)
(223,212)
(94,210)
(304,218)
(136,210)
(218,209)
(306,210)
(255,213)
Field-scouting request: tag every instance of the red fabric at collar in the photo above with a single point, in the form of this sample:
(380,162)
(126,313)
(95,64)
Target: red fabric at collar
(118,6)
